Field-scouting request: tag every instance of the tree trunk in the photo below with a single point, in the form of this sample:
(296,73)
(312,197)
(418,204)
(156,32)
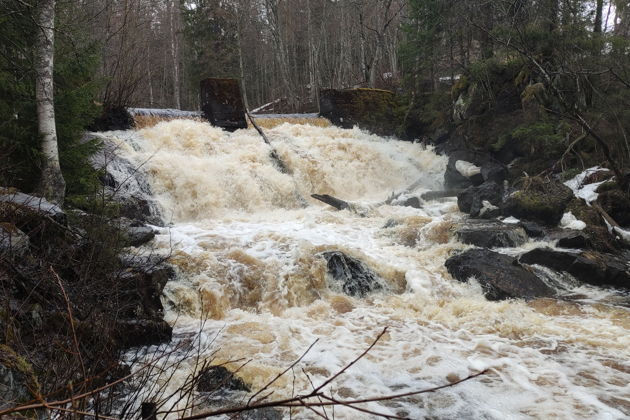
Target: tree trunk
(174,9)
(52,185)
(599,10)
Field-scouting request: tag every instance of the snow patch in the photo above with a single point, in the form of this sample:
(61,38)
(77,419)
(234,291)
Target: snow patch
(511,220)
(467,169)
(585,192)
(569,221)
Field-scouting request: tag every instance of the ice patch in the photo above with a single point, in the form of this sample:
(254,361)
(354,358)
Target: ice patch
(511,220)
(569,221)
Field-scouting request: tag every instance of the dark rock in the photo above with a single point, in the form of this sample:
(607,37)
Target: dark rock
(142,285)
(617,205)
(219,378)
(500,276)
(495,172)
(471,200)
(413,202)
(588,266)
(142,332)
(139,235)
(542,201)
(533,229)
(18,383)
(355,277)
(12,240)
(574,240)
(491,234)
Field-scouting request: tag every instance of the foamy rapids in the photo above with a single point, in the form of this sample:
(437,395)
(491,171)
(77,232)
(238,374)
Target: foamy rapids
(252,284)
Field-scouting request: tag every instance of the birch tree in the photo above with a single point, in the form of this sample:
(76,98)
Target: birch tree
(52,184)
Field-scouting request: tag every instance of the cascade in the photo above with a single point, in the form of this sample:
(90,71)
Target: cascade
(253,281)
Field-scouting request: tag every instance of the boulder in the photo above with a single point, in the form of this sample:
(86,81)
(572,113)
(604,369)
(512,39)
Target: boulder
(12,240)
(533,229)
(219,378)
(18,383)
(491,234)
(34,206)
(574,239)
(500,276)
(142,332)
(591,267)
(541,201)
(356,279)
(495,172)
(481,201)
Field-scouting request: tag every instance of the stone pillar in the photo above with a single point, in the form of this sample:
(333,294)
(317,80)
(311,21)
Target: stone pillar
(222,103)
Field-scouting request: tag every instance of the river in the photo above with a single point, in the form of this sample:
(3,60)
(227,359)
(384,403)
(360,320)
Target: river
(247,241)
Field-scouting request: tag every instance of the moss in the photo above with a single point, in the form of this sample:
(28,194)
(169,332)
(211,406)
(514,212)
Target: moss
(539,200)
(460,86)
(14,362)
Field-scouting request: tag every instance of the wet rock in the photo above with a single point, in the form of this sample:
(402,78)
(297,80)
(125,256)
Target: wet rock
(500,276)
(481,201)
(574,240)
(533,229)
(142,332)
(616,204)
(541,201)
(139,235)
(219,378)
(591,267)
(491,234)
(355,277)
(12,240)
(495,172)
(413,202)
(18,383)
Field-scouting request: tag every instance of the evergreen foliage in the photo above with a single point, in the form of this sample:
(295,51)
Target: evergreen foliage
(75,91)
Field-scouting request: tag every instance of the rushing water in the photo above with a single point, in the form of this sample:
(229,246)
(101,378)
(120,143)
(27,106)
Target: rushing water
(248,239)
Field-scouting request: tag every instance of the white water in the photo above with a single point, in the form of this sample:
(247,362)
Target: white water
(246,239)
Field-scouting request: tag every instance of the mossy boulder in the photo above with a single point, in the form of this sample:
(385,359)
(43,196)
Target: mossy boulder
(18,383)
(540,200)
(616,203)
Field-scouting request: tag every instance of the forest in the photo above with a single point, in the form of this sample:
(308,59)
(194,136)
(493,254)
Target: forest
(523,106)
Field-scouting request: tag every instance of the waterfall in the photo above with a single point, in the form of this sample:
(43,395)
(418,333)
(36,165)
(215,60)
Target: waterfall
(249,245)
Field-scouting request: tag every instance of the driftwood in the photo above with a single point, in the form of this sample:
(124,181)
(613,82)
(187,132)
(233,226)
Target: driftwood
(427,196)
(274,155)
(332,201)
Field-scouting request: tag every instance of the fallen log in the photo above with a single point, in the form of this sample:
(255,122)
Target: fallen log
(332,201)
(274,155)
(340,204)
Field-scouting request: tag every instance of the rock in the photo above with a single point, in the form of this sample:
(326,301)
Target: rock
(219,378)
(36,206)
(591,267)
(355,277)
(495,172)
(541,201)
(18,383)
(139,235)
(113,118)
(533,229)
(12,240)
(471,200)
(500,276)
(412,202)
(491,234)
(617,205)
(142,332)
(575,240)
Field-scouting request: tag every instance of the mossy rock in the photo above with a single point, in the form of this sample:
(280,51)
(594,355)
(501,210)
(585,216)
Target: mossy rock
(617,204)
(587,214)
(539,200)
(18,383)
